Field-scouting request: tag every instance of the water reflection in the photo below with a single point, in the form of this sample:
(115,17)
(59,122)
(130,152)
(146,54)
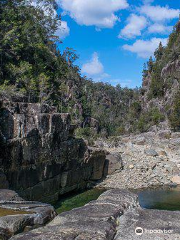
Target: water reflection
(163,198)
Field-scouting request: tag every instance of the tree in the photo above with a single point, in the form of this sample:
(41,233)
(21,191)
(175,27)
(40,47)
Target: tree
(145,71)
(27,47)
(175,115)
(150,64)
(159,52)
(70,56)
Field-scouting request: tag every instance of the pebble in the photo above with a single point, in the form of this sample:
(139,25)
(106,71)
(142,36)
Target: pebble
(146,164)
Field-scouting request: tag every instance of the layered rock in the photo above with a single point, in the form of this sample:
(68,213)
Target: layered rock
(148,224)
(39,157)
(115,215)
(17,215)
(96,220)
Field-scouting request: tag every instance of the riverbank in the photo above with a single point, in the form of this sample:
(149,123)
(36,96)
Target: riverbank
(116,214)
(149,159)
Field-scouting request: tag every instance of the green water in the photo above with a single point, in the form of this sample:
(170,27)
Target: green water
(162,198)
(77,200)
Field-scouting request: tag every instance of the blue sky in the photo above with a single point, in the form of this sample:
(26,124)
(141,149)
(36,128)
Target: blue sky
(114,38)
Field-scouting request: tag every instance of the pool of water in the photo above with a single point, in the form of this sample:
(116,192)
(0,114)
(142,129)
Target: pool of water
(163,198)
(67,203)
(6,212)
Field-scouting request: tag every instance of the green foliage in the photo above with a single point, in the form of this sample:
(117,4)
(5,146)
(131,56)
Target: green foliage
(159,52)
(156,116)
(83,132)
(150,64)
(148,119)
(135,109)
(31,63)
(145,71)
(87,133)
(175,115)
(120,130)
(156,89)
(34,67)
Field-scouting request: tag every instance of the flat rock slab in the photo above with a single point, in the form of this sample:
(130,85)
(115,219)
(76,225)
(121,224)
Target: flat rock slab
(29,214)
(115,215)
(149,224)
(96,220)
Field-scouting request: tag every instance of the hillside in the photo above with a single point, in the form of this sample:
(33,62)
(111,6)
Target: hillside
(34,69)
(161,81)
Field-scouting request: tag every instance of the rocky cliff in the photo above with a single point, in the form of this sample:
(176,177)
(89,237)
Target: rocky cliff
(39,157)
(161,83)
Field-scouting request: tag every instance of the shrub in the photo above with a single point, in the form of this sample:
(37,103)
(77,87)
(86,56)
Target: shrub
(175,115)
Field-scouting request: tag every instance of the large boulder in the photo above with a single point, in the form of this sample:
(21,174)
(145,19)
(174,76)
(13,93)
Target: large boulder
(113,163)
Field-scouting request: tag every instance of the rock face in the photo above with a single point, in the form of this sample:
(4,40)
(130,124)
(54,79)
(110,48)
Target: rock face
(39,158)
(17,215)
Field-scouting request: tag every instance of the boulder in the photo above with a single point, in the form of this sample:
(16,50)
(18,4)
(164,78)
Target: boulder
(131,166)
(176,179)
(139,141)
(163,153)
(7,195)
(164,134)
(113,163)
(175,135)
(17,214)
(97,159)
(151,152)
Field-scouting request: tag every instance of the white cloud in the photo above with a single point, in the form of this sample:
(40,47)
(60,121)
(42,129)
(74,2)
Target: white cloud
(134,27)
(99,13)
(63,30)
(146,48)
(158,13)
(93,67)
(160,28)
